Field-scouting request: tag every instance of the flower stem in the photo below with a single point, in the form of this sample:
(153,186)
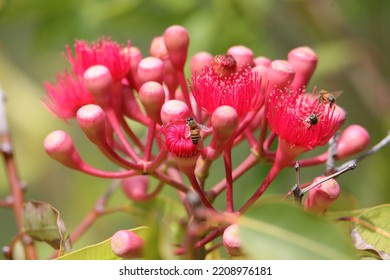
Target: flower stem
(275,169)
(149,141)
(227,157)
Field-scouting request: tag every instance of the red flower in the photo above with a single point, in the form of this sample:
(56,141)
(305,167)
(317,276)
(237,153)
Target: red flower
(301,119)
(104,52)
(240,90)
(67,96)
(175,138)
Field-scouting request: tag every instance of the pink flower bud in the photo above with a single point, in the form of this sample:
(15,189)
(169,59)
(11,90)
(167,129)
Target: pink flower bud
(231,240)
(92,120)
(136,187)
(174,109)
(353,140)
(243,55)
(158,48)
(224,120)
(280,74)
(323,195)
(135,56)
(98,81)
(127,244)
(199,61)
(262,60)
(152,97)
(151,69)
(60,147)
(304,60)
(176,40)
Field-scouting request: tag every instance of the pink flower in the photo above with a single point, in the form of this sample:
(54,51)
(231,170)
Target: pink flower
(67,96)
(174,138)
(221,84)
(301,119)
(105,52)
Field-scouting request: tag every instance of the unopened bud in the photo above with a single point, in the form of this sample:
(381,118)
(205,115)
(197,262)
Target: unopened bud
(304,60)
(136,187)
(243,55)
(173,110)
(323,195)
(280,74)
(92,120)
(127,244)
(177,40)
(152,97)
(60,147)
(199,61)
(262,60)
(98,81)
(231,240)
(151,69)
(224,120)
(158,49)
(353,140)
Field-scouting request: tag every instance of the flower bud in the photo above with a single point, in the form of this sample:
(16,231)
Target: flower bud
(158,48)
(243,55)
(136,187)
(151,69)
(127,244)
(98,81)
(174,109)
(152,97)
(224,120)
(92,120)
(323,195)
(280,74)
(60,147)
(262,60)
(231,240)
(135,56)
(199,61)
(176,40)
(353,140)
(304,61)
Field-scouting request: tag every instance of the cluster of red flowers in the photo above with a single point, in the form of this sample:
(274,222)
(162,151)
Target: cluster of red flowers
(228,99)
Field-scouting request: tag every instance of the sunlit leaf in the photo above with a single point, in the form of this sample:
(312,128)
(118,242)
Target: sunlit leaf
(371,230)
(277,230)
(43,222)
(102,250)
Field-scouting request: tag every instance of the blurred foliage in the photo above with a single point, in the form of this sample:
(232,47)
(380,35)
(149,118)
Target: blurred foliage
(350,38)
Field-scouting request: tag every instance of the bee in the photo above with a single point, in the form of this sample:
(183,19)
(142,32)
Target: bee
(194,130)
(311,120)
(329,97)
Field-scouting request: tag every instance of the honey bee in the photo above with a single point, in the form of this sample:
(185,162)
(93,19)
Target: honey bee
(311,120)
(194,130)
(329,97)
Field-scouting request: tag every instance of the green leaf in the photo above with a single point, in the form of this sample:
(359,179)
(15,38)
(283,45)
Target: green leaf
(371,230)
(278,230)
(100,251)
(43,222)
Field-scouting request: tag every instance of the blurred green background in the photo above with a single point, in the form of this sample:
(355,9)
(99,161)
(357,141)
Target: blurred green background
(350,37)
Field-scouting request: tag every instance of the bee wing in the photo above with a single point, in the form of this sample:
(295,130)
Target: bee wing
(204,128)
(336,93)
(187,132)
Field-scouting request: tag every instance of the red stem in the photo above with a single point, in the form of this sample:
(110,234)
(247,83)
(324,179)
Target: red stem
(149,141)
(262,188)
(227,157)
